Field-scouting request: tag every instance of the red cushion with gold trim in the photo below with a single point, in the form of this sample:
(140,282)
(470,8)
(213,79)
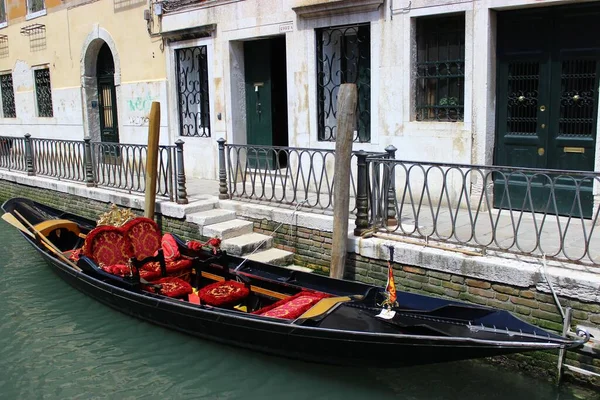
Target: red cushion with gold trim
(178,265)
(170,248)
(144,235)
(172,287)
(223,293)
(108,245)
(292,307)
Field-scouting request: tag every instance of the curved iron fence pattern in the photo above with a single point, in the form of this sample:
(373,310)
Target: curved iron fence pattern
(12,153)
(113,165)
(62,159)
(285,175)
(518,210)
(123,166)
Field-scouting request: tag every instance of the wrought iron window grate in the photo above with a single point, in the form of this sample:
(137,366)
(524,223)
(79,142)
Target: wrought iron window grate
(34,6)
(2,12)
(37,36)
(3,45)
(192,91)
(343,56)
(8,96)
(43,92)
(440,72)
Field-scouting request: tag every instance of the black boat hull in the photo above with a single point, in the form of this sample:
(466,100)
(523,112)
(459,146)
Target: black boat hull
(304,343)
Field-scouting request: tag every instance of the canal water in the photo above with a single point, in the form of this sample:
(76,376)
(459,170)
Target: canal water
(55,343)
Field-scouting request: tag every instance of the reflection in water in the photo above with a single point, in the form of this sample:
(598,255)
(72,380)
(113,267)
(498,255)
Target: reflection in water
(56,343)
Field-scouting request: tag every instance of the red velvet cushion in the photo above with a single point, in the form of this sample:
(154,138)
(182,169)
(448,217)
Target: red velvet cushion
(293,306)
(172,287)
(170,248)
(222,293)
(73,255)
(117,269)
(144,235)
(178,265)
(108,245)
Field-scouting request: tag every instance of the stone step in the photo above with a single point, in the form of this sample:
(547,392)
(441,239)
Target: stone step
(210,217)
(246,244)
(227,229)
(299,268)
(273,256)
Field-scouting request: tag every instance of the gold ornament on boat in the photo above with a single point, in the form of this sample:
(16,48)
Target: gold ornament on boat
(116,217)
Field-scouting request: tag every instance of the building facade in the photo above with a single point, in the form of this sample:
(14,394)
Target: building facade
(489,82)
(75,69)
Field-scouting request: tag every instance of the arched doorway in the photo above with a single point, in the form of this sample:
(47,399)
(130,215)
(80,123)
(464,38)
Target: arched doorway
(107,96)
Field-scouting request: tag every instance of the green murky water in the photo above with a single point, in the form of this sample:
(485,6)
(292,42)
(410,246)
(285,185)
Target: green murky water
(55,343)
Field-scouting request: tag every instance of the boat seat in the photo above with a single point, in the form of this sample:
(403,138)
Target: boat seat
(50,225)
(223,293)
(293,306)
(146,240)
(112,249)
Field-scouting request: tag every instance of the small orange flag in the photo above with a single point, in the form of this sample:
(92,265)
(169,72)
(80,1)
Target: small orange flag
(391,286)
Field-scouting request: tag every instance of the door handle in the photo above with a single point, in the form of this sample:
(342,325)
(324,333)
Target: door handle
(541,151)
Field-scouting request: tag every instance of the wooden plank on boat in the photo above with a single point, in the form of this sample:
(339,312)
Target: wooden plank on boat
(323,306)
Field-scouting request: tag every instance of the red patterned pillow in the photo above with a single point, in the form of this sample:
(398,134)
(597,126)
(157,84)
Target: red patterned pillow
(108,245)
(144,235)
(170,248)
(117,269)
(292,307)
(172,287)
(222,293)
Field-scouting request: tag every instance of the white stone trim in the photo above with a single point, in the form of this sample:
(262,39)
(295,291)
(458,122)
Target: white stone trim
(36,14)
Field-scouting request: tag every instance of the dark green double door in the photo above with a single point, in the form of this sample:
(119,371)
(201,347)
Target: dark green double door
(547,105)
(266,101)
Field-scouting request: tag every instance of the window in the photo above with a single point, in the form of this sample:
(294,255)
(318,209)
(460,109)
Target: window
(35,8)
(343,56)
(7,94)
(2,13)
(43,92)
(192,91)
(440,72)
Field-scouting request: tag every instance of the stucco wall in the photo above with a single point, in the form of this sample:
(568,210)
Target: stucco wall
(69,29)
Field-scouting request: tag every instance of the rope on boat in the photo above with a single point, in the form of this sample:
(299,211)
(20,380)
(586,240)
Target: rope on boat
(272,233)
(544,272)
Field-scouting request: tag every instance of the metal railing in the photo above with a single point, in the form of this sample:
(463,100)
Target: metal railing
(62,159)
(12,153)
(527,211)
(284,175)
(113,165)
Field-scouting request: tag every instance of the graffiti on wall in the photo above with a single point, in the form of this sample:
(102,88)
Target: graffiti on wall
(138,109)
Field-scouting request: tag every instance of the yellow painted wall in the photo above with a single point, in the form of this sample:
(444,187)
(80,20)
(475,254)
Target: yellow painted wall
(66,31)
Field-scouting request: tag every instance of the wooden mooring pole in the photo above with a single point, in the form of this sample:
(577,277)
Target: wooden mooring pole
(346,124)
(152,160)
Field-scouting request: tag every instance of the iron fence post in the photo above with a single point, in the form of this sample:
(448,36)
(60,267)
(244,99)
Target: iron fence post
(87,162)
(29,155)
(391,183)
(181,191)
(223,195)
(362,203)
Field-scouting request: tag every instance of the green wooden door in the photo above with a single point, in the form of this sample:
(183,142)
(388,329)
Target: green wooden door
(547,106)
(259,117)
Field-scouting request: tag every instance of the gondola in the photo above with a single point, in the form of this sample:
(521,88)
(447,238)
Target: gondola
(264,307)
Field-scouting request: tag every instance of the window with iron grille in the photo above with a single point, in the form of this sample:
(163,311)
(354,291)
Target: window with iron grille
(2,11)
(192,91)
(343,56)
(7,94)
(43,92)
(34,6)
(440,72)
